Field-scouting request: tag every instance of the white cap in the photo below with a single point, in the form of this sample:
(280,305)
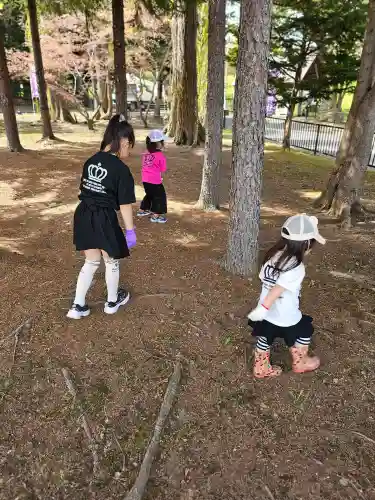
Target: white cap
(156,136)
(302,227)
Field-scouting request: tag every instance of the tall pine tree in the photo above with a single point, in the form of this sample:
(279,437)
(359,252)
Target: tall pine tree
(248,136)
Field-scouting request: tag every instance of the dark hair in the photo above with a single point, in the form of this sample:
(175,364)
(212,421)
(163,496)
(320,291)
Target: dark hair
(152,147)
(291,253)
(115,131)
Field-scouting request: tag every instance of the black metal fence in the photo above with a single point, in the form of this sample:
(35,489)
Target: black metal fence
(314,137)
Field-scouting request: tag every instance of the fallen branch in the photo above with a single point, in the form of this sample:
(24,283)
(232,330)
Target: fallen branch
(25,327)
(85,425)
(137,491)
(268,491)
(22,329)
(364,437)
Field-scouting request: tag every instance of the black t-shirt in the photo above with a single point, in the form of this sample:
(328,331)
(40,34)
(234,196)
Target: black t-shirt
(107,182)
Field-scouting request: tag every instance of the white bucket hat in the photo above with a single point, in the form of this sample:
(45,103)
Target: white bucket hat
(302,227)
(156,136)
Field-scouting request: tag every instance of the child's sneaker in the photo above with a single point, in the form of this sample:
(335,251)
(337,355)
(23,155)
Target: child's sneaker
(160,219)
(143,213)
(78,312)
(122,298)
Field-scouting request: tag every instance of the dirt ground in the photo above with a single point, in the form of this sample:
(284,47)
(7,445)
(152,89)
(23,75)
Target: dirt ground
(228,437)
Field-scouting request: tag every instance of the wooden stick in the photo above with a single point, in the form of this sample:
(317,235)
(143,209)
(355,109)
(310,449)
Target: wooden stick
(268,491)
(22,329)
(364,437)
(139,487)
(25,327)
(85,425)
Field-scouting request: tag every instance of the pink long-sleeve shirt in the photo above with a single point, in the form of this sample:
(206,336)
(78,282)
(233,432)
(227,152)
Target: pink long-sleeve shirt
(153,165)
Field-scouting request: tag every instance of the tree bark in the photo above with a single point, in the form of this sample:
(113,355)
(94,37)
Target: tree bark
(248,136)
(288,125)
(119,56)
(6,101)
(176,78)
(342,193)
(210,189)
(67,115)
(109,100)
(202,60)
(52,104)
(159,97)
(183,125)
(39,70)
(340,99)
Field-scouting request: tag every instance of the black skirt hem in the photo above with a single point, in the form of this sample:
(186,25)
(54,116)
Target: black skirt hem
(98,228)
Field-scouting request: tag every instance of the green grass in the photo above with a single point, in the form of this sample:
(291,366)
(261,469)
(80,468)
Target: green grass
(347,102)
(229,87)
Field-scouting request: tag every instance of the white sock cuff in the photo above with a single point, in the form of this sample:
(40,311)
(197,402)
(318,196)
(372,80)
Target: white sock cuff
(113,264)
(94,263)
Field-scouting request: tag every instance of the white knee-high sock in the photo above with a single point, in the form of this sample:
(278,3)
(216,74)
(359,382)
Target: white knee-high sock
(112,278)
(84,280)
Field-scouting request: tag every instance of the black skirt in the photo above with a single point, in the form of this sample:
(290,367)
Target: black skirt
(98,227)
(303,329)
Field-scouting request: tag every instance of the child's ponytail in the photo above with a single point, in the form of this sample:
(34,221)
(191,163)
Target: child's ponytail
(118,128)
(152,147)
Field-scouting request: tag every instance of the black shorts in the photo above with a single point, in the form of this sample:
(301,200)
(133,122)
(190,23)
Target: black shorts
(98,227)
(304,329)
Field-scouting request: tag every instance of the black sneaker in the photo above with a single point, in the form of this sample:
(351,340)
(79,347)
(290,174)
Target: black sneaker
(122,298)
(78,312)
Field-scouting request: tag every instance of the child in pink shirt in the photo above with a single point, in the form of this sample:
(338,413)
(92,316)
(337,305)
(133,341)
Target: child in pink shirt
(154,164)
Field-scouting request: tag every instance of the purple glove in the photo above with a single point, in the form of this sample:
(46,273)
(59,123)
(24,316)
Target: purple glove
(131,238)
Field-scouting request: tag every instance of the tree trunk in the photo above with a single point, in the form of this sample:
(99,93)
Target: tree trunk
(342,193)
(340,98)
(183,125)
(248,136)
(119,56)
(202,60)
(39,69)
(52,104)
(176,78)
(109,88)
(67,115)
(6,101)
(104,99)
(288,125)
(58,109)
(159,97)
(210,189)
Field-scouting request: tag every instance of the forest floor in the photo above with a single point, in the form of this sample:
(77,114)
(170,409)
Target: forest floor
(228,436)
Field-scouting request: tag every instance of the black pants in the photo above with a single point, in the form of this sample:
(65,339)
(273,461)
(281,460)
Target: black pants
(155,200)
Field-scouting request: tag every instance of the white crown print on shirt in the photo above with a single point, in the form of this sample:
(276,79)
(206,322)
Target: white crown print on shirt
(97,173)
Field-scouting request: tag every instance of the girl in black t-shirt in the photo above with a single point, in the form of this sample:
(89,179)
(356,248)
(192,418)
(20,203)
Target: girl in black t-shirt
(107,186)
